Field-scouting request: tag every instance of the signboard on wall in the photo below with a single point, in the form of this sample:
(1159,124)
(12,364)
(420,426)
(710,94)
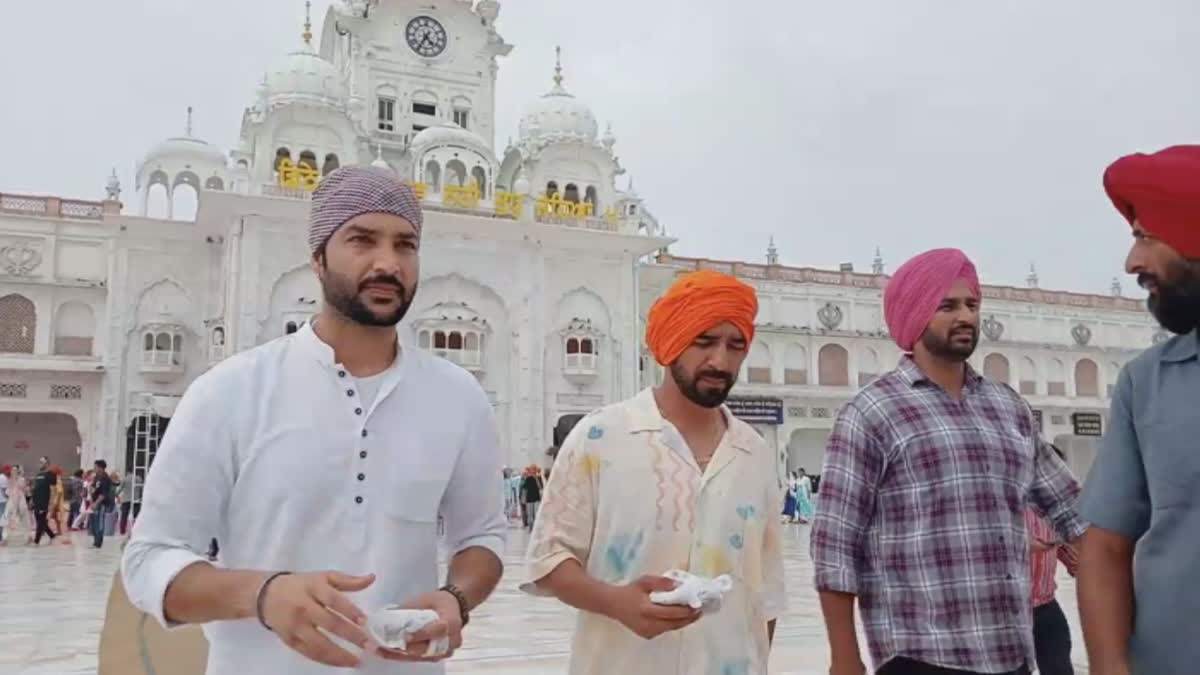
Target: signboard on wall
(1087,424)
(756,409)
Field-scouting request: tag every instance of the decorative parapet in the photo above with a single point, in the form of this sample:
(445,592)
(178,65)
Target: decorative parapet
(56,207)
(811,275)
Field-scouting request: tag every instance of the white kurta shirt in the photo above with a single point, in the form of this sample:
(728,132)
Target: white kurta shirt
(275,454)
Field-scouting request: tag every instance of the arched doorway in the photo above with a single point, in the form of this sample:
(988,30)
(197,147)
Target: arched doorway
(26,437)
(806,450)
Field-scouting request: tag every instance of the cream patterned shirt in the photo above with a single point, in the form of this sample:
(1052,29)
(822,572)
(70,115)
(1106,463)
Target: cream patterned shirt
(626,498)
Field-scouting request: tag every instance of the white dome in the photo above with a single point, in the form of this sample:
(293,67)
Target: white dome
(558,116)
(305,76)
(448,133)
(191,151)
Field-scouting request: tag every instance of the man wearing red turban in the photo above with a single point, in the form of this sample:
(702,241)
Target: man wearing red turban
(921,516)
(1141,492)
(665,486)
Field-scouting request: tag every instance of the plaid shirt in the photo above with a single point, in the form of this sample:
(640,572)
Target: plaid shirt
(1044,565)
(921,517)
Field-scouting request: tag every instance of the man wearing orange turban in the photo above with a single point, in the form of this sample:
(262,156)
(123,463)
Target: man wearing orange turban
(665,486)
(1140,494)
(921,516)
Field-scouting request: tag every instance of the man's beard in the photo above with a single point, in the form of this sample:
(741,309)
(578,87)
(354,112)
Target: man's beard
(705,398)
(345,296)
(1175,300)
(946,347)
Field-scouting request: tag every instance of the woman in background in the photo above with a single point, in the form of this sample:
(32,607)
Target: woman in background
(17,516)
(789,502)
(804,504)
(58,507)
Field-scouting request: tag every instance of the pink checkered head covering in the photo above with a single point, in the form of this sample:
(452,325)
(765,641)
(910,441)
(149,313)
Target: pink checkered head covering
(354,190)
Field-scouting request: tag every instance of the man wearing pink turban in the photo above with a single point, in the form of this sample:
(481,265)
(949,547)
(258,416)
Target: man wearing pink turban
(927,474)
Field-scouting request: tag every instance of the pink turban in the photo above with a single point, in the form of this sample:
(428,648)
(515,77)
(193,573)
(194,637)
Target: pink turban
(913,294)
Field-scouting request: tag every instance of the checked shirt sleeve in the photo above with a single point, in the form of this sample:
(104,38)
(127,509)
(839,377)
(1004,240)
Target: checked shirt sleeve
(846,502)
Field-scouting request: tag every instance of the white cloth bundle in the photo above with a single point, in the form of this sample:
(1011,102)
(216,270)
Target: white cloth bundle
(693,591)
(392,626)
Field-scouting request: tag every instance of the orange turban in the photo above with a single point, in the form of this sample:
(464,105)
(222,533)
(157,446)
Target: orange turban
(695,303)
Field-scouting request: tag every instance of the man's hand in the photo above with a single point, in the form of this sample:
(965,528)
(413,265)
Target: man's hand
(449,624)
(295,606)
(854,667)
(631,606)
(1041,546)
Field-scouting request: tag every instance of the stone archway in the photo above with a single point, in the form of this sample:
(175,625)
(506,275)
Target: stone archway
(806,450)
(27,436)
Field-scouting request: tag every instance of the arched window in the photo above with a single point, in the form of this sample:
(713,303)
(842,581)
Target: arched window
(433,176)
(74,329)
(868,366)
(308,158)
(1087,378)
(1029,377)
(18,323)
(162,349)
(580,354)
(571,193)
(795,365)
(216,346)
(833,366)
(456,173)
(280,155)
(214,183)
(331,164)
(590,197)
(1056,378)
(462,347)
(758,364)
(995,367)
(551,189)
(481,182)
(290,327)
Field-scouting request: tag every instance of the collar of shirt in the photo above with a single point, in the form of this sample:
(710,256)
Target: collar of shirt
(1182,348)
(912,374)
(644,415)
(311,344)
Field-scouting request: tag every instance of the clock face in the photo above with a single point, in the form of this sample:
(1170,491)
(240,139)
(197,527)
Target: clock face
(426,36)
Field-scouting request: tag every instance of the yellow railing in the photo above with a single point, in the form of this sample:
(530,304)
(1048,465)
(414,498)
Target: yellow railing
(419,189)
(557,207)
(509,204)
(466,197)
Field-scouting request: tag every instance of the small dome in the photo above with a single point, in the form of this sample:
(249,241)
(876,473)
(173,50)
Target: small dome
(305,76)
(448,133)
(188,150)
(558,116)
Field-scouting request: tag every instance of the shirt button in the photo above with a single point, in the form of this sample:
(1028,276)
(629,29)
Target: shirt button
(362,476)
(358,411)
(364,433)
(1006,576)
(358,500)
(349,392)
(341,373)
(363,454)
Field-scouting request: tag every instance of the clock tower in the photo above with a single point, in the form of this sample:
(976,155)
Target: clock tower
(415,64)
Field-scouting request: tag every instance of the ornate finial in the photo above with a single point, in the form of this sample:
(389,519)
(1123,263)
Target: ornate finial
(558,78)
(307,34)
(877,264)
(1032,279)
(188,131)
(113,188)
(1116,287)
(772,252)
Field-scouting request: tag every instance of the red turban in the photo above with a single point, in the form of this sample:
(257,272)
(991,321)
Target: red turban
(695,303)
(913,294)
(1162,193)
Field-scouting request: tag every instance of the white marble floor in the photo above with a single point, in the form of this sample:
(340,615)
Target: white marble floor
(53,600)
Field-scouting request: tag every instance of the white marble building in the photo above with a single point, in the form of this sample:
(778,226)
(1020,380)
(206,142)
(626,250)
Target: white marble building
(536,268)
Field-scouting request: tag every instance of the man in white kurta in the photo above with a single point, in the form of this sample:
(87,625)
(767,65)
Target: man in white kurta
(668,480)
(295,464)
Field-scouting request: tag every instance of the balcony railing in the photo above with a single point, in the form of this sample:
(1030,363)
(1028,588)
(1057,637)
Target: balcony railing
(55,207)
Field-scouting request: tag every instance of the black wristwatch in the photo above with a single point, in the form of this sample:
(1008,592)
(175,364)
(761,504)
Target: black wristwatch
(464,609)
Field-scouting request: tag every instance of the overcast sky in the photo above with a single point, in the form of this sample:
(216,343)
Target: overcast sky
(835,126)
